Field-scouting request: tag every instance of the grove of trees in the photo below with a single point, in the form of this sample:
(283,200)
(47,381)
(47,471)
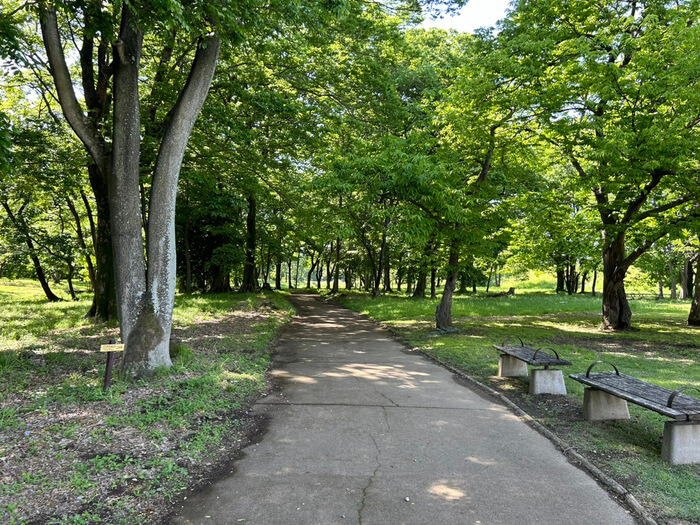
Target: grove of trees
(217,146)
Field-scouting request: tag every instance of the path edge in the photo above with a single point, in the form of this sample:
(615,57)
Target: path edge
(569,452)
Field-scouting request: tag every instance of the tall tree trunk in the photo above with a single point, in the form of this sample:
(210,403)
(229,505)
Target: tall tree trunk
(561,280)
(595,279)
(18,222)
(686,278)
(221,280)
(81,240)
(296,274)
(617,314)
(336,272)
(661,288)
(584,276)
(674,281)
(69,279)
(433,279)
(289,273)
(146,298)
(694,315)
(278,274)
(387,275)
(104,303)
(421,285)
(443,312)
(188,259)
(249,282)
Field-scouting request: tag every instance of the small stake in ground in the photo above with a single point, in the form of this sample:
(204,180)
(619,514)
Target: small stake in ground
(110,348)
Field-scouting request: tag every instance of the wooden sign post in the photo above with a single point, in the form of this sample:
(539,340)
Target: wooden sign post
(110,349)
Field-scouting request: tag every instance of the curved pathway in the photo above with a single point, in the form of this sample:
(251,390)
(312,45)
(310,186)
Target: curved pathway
(363,432)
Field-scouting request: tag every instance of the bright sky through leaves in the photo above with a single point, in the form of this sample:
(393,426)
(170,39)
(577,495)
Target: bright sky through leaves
(476,14)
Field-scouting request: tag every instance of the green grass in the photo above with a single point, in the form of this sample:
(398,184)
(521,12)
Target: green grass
(663,350)
(52,403)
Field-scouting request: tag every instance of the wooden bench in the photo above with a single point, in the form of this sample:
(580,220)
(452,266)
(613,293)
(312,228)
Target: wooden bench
(514,359)
(608,393)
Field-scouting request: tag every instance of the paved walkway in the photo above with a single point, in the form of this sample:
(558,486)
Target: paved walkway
(363,432)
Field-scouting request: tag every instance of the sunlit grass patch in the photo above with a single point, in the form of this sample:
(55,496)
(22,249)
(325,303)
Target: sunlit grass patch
(144,441)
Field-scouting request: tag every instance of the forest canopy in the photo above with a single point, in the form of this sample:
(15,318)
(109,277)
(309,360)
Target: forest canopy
(212,146)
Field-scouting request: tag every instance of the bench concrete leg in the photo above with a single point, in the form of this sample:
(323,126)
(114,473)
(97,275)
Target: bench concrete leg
(600,406)
(547,382)
(509,366)
(681,443)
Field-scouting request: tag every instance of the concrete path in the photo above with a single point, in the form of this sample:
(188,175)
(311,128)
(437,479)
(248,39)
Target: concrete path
(364,432)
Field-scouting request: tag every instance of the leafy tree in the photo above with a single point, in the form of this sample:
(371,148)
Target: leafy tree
(611,86)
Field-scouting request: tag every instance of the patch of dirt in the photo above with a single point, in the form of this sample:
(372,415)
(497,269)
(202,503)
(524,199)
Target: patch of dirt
(43,460)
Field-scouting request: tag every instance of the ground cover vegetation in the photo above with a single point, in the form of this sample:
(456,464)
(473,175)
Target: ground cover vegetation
(72,453)
(664,351)
(211,147)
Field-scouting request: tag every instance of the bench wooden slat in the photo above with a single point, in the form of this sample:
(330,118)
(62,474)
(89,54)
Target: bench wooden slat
(642,393)
(525,353)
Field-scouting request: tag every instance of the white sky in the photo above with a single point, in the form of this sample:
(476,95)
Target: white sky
(477,13)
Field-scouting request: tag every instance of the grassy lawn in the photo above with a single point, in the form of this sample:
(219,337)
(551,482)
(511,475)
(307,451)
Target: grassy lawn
(70,453)
(663,351)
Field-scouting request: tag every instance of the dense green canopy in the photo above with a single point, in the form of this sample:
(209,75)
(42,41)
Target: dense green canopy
(338,140)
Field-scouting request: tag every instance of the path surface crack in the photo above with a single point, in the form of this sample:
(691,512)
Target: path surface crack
(370,482)
(389,399)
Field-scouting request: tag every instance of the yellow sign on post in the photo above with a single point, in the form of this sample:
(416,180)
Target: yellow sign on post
(112,348)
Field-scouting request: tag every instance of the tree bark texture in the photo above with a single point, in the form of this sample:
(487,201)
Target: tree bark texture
(443,312)
(336,272)
(104,305)
(694,315)
(278,274)
(249,284)
(146,294)
(617,314)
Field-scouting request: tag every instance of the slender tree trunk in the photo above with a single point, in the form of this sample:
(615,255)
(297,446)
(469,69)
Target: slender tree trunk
(583,282)
(443,313)
(81,241)
(104,303)
(278,274)
(686,278)
(674,281)
(311,272)
(661,288)
(595,279)
(336,272)
(289,273)
(69,279)
(488,281)
(561,280)
(296,275)
(387,275)
(41,276)
(249,281)
(433,279)
(694,315)
(188,260)
(18,223)
(617,314)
